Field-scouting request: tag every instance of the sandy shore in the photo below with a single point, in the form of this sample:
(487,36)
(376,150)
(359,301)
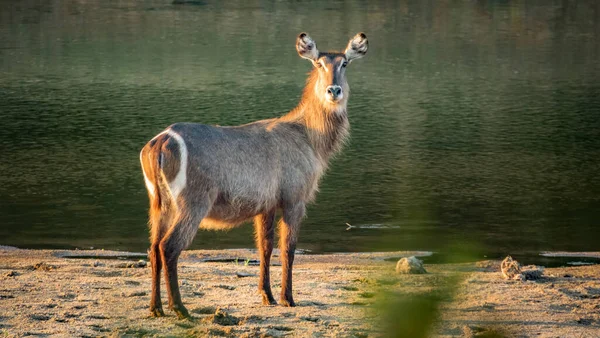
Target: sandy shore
(44,293)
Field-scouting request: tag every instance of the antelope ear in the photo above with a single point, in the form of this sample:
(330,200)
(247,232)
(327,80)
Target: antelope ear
(357,47)
(306,47)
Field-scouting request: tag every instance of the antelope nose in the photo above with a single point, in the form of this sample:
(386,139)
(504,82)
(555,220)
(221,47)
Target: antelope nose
(334,91)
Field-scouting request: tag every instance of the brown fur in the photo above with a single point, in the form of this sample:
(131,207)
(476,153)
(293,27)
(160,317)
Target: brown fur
(327,129)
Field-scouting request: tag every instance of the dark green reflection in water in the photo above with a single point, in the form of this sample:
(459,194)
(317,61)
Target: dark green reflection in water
(475,121)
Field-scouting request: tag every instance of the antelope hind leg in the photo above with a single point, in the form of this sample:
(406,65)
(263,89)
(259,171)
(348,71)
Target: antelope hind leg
(178,238)
(160,222)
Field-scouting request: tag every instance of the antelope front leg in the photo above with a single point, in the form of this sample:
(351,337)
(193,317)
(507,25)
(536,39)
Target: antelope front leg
(289,227)
(264,227)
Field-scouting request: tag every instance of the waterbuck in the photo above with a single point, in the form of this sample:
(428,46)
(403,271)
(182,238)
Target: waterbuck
(218,177)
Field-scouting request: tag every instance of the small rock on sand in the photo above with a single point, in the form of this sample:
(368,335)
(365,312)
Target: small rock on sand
(244,274)
(410,265)
(226,287)
(205,310)
(134,294)
(531,272)
(511,269)
(221,317)
(139,264)
(42,266)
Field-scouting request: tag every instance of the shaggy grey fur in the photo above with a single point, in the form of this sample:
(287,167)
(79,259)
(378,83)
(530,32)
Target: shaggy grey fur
(218,177)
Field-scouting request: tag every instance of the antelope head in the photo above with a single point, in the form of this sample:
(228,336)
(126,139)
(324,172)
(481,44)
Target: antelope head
(329,76)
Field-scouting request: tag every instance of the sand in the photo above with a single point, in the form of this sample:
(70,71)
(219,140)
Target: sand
(44,293)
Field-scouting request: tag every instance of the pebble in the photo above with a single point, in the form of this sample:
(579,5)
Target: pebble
(410,265)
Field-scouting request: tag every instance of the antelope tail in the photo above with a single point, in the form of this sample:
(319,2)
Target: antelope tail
(150,158)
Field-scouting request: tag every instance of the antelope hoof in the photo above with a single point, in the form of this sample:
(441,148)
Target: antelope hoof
(268,300)
(157,312)
(287,302)
(181,311)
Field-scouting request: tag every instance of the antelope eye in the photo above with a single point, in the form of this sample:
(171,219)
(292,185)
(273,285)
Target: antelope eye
(344,64)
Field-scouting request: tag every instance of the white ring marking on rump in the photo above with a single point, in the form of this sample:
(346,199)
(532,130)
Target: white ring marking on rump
(178,184)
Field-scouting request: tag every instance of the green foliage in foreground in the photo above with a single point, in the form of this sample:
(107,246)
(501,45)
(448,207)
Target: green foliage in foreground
(416,314)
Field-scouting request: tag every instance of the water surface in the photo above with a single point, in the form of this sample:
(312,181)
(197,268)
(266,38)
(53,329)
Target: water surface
(472,122)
